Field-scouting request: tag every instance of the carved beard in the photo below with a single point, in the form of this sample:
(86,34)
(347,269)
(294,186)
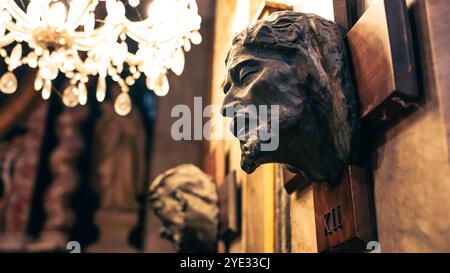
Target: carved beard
(261,143)
(302,145)
(252,156)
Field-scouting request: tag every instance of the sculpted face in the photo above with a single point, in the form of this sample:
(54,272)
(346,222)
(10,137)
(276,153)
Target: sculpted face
(294,64)
(185,199)
(256,80)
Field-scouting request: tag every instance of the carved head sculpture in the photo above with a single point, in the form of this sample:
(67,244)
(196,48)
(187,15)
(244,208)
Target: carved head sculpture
(297,62)
(185,200)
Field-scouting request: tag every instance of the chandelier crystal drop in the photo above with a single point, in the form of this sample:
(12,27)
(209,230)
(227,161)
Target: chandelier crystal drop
(70,38)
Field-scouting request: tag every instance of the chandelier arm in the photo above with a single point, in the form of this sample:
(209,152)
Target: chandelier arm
(139,38)
(79,64)
(7,40)
(79,47)
(133,34)
(136,37)
(80,35)
(88,44)
(82,47)
(15,28)
(133,29)
(98,32)
(146,23)
(18,14)
(77,22)
(85,43)
(46,13)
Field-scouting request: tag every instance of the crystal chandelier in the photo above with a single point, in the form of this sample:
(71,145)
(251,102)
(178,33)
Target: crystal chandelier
(69,38)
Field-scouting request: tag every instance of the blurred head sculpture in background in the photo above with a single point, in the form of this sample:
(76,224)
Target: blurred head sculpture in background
(185,200)
(298,62)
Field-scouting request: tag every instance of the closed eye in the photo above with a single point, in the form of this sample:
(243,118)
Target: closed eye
(245,75)
(240,72)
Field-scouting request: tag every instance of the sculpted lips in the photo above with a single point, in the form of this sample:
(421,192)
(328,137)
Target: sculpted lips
(245,129)
(247,134)
(240,126)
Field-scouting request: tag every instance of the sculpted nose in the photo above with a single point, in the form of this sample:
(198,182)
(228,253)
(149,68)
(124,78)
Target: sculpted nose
(229,104)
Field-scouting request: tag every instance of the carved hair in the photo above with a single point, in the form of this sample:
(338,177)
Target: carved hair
(320,45)
(185,200)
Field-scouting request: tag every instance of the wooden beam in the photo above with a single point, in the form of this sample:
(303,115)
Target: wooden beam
(345,13)
(230,212)
(383,60)
(294,182)
(344,213)
(384,68)
(268,7)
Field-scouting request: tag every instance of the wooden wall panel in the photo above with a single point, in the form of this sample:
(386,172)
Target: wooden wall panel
(383,62)
(303,224)
(412,165)
(259,211)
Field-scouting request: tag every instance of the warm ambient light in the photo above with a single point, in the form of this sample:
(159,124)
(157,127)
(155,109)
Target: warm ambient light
(68,37)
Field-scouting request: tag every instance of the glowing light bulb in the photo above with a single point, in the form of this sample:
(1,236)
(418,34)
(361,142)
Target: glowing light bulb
(116,10)
(76,10)
(134,3)
(196,38)
(57,15)
(34,12)
(89,25)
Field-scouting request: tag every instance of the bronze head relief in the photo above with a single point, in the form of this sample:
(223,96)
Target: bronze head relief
(298,62)
(185,199)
